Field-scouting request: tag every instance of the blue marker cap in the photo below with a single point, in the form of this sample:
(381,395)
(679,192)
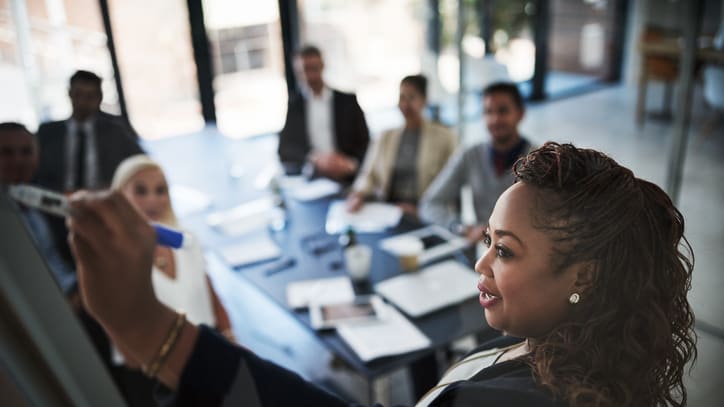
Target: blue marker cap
(168,237)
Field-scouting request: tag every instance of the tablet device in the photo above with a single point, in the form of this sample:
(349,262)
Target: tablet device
(438,242)
(367,308)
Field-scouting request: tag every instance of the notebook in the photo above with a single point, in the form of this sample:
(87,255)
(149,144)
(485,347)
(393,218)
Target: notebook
(432,288)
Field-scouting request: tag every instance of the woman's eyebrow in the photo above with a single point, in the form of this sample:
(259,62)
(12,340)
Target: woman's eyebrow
(500,232)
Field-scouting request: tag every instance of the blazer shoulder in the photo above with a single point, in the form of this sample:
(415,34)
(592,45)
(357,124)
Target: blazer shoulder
(49,126)
(346,96)
(439,129)
(48,131)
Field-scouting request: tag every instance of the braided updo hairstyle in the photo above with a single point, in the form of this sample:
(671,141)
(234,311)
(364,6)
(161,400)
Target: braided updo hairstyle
(631,335)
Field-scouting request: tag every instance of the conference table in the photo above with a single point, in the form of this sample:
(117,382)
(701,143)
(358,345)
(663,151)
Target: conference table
(227,170)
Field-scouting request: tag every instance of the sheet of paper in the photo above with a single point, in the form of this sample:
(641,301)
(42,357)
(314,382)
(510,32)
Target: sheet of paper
(313,190)
(373,217)
(322,291)
(187,200)
(392,336)
(245,218)
(250,251)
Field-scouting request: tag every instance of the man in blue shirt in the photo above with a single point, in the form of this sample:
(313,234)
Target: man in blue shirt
(18,163)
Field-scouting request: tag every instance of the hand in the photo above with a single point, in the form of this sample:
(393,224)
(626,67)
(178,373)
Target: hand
(474,233)
(334,165)
(113,247)
(355,200)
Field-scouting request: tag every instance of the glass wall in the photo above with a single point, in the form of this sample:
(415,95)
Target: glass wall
(247,56)
(156,62)
(42,42)
(580,44)
(369,46)
(512,37)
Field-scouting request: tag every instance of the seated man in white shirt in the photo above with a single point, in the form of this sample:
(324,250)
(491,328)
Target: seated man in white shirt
(325,132)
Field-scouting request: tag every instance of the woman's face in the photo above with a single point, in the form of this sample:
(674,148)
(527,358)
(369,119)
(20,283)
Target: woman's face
(148,191)
(411,101)
(521,293)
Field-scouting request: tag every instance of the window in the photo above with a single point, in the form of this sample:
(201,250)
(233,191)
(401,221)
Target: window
(249,85)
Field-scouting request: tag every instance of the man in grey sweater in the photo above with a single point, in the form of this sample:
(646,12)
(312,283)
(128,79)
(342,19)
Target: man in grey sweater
(485,167)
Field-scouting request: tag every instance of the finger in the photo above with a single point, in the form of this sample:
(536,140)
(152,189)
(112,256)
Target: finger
(85,257)
(84,222)
(111,218)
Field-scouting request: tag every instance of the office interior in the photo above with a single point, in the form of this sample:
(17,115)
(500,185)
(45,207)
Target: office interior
(207,82)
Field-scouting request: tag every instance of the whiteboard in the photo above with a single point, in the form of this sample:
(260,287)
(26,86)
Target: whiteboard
(42,345)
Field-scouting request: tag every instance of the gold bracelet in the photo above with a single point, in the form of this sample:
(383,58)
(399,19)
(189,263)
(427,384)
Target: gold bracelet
(168,344)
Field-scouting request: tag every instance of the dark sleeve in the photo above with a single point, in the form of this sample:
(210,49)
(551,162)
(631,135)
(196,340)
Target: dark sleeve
(360,132)
(293,144)
(129,141)
(219,372)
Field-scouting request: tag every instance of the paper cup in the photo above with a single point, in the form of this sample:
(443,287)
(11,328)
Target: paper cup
(408,250)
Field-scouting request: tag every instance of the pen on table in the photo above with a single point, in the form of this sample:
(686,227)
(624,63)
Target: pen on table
(280,266)
(57,204)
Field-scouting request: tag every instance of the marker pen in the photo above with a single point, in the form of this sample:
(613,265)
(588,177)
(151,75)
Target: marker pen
(57,204)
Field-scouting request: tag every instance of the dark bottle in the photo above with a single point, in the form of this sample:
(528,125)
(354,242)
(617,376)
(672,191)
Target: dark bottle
(348,238)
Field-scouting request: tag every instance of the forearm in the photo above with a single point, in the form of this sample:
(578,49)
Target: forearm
(144,340)
(436,208)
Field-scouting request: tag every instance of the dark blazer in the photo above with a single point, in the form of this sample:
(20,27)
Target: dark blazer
(218,372)
(115,142)
(351,135)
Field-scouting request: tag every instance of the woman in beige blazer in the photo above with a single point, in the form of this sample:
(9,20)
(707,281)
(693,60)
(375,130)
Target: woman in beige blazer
(404,161)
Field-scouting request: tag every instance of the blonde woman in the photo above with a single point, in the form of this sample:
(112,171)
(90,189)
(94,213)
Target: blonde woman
(179,276)
(404,161)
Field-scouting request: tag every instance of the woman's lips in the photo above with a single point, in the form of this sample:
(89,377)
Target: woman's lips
(487,298)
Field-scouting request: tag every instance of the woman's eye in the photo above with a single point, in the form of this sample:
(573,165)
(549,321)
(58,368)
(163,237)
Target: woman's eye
(486,239)
(503,252)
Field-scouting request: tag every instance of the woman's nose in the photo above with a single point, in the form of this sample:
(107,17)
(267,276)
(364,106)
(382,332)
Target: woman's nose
(482,266)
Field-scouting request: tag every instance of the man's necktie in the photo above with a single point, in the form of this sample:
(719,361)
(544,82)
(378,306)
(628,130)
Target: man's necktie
(80,159)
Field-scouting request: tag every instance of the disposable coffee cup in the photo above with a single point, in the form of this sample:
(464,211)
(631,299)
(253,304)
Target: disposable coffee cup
(358,259)
(408,250)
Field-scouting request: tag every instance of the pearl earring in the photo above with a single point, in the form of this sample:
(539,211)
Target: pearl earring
(574,298)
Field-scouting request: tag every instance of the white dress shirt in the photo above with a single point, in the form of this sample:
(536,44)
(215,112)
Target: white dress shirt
(319,121)
(71,153)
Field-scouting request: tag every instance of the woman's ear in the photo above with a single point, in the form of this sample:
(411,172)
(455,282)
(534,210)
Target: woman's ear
(585,275)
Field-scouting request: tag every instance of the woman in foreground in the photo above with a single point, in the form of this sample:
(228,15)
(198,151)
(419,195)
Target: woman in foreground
(586,264)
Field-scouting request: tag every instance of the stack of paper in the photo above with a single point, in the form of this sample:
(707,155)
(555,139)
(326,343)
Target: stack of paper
(321,291)
(373,217)
(392,336)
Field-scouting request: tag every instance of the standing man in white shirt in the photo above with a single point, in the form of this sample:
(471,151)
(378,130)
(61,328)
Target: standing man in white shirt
(325,132)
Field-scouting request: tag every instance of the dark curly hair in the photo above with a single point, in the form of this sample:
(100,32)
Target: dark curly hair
(631,335)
